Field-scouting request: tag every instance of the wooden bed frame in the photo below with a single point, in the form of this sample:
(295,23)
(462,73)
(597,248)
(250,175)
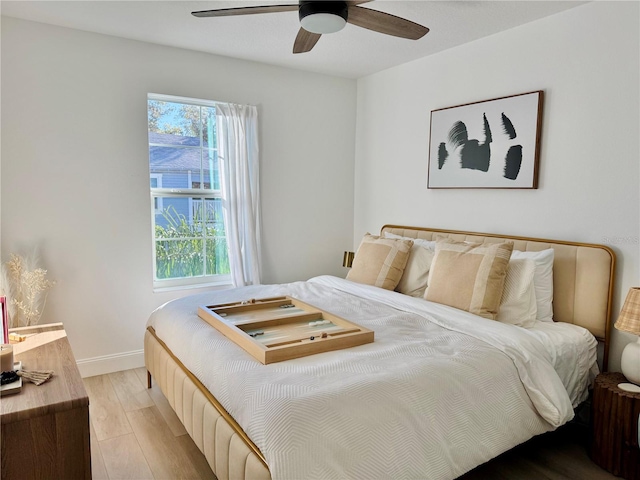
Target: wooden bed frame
(583,285)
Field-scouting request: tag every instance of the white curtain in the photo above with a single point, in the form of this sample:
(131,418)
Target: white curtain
(237,129)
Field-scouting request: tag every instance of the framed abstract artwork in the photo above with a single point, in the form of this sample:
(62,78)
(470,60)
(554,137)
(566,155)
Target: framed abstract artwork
(488,144)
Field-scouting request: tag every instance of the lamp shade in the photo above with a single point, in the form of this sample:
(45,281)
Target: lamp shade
(629,319)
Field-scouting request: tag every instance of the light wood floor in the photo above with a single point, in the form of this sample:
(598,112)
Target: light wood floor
(136,435)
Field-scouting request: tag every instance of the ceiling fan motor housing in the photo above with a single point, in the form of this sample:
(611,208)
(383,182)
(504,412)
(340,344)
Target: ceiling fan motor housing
(322,16)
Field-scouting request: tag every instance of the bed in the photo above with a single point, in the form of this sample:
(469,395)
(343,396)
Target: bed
(439,392)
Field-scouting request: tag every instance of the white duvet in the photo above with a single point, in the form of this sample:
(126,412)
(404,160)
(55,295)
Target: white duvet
(439,392)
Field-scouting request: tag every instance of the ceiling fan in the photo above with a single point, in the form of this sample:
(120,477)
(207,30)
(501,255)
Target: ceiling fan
(318,17)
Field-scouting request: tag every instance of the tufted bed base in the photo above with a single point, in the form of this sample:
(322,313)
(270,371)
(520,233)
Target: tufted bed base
(212,429)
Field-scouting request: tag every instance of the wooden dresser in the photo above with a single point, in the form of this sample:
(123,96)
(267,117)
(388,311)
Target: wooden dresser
(45,429)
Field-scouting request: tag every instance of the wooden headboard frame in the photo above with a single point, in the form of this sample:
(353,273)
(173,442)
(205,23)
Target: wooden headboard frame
(582,275)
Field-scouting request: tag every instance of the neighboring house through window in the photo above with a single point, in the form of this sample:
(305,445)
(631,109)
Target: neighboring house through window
(189,239)
(156,182)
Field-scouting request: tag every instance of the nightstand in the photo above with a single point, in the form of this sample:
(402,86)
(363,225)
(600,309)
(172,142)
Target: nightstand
(45,429)
(614,427)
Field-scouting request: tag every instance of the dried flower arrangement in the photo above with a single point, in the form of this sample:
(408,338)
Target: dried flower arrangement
(26,287)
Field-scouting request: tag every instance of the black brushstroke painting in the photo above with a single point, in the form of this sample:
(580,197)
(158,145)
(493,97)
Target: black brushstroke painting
(512,162)
(473,154)
(442,155)
(499,138)
(487,130)
(458,134)
(508,127)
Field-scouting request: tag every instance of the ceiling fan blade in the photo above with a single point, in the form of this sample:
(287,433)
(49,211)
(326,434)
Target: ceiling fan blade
(227,12)
(385,23)
(305,41)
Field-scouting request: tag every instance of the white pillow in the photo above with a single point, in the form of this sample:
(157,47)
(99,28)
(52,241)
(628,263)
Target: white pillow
(416,272)
(518,303)
(542,281)
(430,244)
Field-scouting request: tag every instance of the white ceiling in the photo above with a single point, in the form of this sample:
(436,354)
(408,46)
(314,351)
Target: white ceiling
(353,52)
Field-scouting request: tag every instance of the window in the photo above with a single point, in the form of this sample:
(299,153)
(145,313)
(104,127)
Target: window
(156,182)
(189,240)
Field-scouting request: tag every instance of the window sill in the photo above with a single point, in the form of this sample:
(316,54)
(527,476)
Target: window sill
(209,286)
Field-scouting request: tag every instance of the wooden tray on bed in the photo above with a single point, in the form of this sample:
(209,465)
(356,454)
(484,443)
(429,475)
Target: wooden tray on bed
(282,328)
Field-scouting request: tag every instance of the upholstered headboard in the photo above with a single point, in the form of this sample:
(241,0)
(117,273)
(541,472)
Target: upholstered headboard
(582,275)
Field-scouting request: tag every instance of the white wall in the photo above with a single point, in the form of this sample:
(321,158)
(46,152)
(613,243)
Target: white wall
(586,61)
(75,175)
(75,171)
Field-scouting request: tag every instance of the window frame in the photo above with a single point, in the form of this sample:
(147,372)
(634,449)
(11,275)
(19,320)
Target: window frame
(202,194)
(157,207)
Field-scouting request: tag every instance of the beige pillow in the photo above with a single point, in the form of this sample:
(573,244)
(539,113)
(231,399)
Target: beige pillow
(380,261)
(469,276)
(416,273)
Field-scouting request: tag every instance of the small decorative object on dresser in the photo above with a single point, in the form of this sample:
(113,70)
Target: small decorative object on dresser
(4,334)
(6,358)
(629,321)
(9,381)
(614,440)
(25,286)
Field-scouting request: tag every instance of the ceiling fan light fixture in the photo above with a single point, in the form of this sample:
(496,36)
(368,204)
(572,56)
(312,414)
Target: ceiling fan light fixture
(323,23)
(323,17)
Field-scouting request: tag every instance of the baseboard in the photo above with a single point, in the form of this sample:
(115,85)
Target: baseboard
(90,367)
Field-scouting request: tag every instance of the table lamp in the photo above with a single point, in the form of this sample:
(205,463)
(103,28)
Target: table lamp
(629,321)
